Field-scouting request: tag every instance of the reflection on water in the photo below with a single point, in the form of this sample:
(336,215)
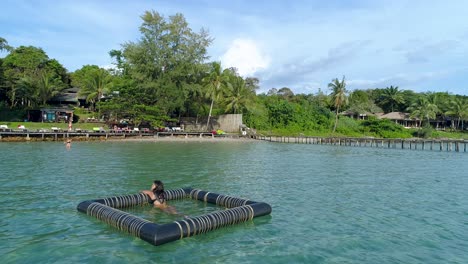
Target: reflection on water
(330,204)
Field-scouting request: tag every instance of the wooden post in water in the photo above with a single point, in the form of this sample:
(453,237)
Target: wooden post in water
(440,142)
(457,146)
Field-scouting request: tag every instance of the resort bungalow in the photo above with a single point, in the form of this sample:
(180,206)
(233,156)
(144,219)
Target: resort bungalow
(356,115)
(401,118)
(68,97)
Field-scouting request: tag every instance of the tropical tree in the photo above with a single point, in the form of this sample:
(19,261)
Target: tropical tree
(252,83)
(272,91)
(359,103)
(423,110)
(285,92)
(22,92)
(46,88)
(215,82)
(458,109)
(237,95)
(4,45)
(391,97)
(165,62)
(339,97)
(24,69)
(280,111)
(96,85)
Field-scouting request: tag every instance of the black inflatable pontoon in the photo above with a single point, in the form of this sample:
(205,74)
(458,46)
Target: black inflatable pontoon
(238,210)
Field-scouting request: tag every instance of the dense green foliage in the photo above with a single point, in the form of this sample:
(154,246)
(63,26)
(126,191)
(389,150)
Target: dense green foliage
(166,74)
(30,78)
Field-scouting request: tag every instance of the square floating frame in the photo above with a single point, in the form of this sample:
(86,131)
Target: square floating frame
(238,210)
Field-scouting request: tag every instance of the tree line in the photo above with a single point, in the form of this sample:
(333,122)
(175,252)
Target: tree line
(167,74)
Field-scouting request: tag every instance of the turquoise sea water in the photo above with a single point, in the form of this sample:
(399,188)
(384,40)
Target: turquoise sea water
(330,204)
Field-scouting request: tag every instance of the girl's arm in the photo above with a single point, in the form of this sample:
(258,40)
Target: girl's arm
(149,193)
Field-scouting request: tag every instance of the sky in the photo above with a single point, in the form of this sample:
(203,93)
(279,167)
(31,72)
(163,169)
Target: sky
(300,44)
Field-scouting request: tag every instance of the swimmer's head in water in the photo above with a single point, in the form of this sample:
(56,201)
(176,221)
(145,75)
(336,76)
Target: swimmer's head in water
(158,186)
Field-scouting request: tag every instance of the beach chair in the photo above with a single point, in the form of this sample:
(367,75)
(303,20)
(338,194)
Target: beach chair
(22,128)
(5,128)
(98,130)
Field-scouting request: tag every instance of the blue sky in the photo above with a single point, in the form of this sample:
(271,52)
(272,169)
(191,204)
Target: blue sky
(303,45)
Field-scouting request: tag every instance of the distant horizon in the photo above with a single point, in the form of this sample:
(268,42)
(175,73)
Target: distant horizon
(301,45)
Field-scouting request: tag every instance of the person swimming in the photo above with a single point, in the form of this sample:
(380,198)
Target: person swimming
(158,197)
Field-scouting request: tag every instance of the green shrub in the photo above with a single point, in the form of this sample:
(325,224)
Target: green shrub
(425,132)
(348,126)
(384,128)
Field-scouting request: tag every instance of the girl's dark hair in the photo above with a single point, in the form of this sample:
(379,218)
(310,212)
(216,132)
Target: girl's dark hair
(159,186)
(159,191)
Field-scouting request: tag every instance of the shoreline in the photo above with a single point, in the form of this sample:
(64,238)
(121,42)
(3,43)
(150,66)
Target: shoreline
(130,139)
(183,139)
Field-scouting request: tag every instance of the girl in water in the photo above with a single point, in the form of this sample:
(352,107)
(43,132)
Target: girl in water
(158,197)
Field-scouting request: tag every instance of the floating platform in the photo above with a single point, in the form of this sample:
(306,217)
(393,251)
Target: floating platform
(237,210)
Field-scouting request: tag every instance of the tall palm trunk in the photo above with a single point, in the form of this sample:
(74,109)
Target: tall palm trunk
(336,120)
(209,115)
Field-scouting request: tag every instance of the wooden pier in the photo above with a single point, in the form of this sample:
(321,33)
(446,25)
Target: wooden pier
(415,144)
(18,136)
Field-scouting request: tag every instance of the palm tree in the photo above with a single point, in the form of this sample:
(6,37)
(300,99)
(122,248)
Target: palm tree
(458,109)
(339,96)
(22,91)
(423,110)
(96,86)
(214,83)
(45,87)
(238,95)
(392,96)
(441,100)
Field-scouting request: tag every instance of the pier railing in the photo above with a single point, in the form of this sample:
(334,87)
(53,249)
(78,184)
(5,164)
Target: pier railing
(92,135)
(394,143)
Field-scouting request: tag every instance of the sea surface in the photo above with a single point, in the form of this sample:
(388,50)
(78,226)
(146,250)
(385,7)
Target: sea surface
(331,204)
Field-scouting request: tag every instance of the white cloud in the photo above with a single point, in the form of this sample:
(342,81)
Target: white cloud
(245,55)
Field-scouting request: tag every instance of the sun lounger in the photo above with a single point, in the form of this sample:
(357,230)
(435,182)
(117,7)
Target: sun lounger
(98,129)
(5,128)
